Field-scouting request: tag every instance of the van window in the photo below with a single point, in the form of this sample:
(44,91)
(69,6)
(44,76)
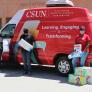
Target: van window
(8,31)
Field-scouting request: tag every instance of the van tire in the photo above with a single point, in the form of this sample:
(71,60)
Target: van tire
(63,66)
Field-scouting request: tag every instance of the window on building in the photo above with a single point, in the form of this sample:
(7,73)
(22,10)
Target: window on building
(7,19)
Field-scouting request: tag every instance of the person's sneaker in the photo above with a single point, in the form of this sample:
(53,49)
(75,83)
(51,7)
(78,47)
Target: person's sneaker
(29,73)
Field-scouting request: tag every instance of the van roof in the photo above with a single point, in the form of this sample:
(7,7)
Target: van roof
(72,14)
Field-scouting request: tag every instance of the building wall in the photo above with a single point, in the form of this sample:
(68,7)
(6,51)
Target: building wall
(83,3)
(9,7)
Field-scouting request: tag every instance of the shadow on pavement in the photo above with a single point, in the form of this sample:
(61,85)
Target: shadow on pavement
(37,72)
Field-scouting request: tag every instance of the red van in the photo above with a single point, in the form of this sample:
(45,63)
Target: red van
(54,30)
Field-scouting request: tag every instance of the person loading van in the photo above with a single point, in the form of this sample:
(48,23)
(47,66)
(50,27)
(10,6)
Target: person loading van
(25,54)
(84,40)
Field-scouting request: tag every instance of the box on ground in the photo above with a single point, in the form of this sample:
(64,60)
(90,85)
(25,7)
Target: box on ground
(78,80)
(89,79)
(83,71)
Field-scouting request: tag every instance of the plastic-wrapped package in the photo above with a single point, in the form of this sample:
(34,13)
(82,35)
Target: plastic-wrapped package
(78,80)
(89,79)
(83,71)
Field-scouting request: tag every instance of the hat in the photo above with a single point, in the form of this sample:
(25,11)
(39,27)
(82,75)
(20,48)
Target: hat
(25,30)
(82,28)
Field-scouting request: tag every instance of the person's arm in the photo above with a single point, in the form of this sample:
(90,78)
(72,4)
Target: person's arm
(87,44)
(21,37)
(87,47)
(32,40)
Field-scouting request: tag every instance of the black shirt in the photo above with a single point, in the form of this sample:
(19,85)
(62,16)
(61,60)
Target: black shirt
(28,38)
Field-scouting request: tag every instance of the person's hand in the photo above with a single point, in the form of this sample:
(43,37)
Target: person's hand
(86,50)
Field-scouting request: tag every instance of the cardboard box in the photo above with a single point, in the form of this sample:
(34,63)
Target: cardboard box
(25,45)
(77,51)
(77,48)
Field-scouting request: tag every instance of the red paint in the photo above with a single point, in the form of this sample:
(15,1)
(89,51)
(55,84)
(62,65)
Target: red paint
(58,27)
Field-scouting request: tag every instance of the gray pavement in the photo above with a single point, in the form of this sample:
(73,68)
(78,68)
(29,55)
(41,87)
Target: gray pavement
(43,79)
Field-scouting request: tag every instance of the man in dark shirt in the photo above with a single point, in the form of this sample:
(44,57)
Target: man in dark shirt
(27,54)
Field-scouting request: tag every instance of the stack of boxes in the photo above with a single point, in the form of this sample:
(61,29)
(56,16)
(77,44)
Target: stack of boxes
(81,76)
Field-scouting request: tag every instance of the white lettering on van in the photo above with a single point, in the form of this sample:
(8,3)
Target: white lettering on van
(60,27)
(58,36)
(50,27)
(36,14)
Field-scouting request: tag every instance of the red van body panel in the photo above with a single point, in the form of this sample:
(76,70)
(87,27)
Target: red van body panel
(54,28)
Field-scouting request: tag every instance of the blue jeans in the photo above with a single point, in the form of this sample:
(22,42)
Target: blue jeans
(26,59)
(16,48)
(82,60)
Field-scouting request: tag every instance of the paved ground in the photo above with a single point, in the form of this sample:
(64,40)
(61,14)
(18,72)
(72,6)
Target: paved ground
(42,80)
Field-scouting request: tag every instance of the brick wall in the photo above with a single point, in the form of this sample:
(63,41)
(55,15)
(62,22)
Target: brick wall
(9,7)
(83,3)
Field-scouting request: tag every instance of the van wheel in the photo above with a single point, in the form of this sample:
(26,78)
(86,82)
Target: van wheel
(63,66)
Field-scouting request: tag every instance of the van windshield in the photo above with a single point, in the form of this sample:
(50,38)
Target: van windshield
(8,31)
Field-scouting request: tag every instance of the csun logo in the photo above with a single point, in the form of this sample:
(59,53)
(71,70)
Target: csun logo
(40,13)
